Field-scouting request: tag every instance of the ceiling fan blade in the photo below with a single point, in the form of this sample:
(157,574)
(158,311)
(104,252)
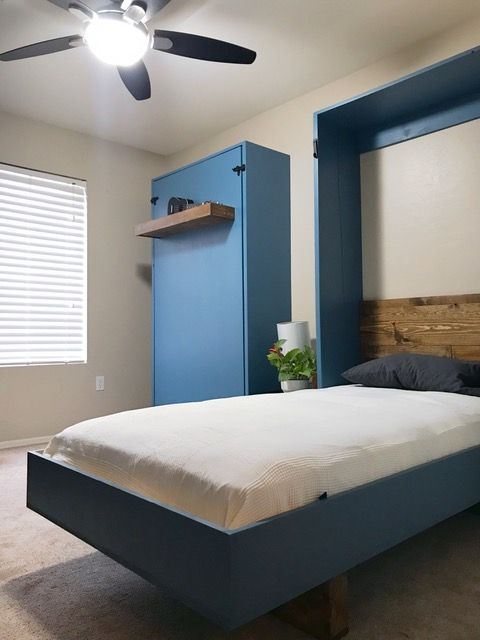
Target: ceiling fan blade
(201,48)
(136,79)
(42,48)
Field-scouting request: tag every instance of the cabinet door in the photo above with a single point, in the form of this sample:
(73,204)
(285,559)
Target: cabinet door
(198,290)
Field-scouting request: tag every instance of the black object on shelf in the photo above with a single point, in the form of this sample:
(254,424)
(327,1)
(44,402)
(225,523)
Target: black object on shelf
(177,204)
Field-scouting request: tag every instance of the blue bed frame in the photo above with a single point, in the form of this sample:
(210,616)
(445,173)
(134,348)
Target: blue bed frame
(232,576)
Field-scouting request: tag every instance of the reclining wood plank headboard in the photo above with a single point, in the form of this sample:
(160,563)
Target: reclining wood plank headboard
(440,325)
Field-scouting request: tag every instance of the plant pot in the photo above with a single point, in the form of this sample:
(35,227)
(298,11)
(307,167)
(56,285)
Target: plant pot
(294,385)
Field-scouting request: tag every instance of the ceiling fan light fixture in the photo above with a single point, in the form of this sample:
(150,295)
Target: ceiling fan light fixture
(116,41)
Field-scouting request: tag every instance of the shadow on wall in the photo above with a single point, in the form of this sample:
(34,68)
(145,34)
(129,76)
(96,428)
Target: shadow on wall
(372,231)
(144,273)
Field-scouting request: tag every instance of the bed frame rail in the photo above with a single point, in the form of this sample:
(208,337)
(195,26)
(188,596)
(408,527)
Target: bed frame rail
(233,576)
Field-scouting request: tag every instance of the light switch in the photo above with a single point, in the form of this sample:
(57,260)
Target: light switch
(100,383)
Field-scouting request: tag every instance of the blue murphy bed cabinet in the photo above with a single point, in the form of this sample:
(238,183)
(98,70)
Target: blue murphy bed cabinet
(443,95)
(218,291)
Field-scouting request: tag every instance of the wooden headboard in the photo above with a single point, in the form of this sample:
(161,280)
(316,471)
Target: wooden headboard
(440,325)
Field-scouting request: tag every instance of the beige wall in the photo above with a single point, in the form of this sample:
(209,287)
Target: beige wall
(37,401)
(421,216)
(289,128)
(40,400)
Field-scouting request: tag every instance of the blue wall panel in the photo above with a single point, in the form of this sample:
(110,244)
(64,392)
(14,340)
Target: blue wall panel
(198,290)
(424,92)
(267,259)
(339,254)
(411,126)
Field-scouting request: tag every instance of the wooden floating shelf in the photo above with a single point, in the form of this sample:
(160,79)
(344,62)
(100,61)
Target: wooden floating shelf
(202,216)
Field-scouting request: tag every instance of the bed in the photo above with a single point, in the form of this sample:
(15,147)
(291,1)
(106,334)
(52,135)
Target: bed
(287,515)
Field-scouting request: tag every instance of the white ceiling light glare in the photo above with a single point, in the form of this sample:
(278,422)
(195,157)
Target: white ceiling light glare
(119,37)
(115,41)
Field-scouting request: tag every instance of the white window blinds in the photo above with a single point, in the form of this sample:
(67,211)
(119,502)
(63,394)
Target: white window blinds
(42,268)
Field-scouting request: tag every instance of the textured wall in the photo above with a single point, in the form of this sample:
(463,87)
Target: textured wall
(421,216)
(40,400)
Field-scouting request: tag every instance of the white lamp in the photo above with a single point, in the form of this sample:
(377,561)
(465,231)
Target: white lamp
(296,334)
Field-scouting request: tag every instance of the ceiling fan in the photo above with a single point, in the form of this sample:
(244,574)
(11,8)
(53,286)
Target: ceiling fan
(117,33)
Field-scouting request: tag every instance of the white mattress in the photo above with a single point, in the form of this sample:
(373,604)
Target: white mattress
(239,460)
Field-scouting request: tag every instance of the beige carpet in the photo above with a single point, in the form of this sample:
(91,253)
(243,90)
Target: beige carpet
(54,587)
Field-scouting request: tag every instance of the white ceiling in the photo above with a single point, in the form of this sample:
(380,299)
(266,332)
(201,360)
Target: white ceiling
(301,45)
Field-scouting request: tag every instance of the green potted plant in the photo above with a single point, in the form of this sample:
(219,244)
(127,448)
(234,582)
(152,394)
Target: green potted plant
(296,368)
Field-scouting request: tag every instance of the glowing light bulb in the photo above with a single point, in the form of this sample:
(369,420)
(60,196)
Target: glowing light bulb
(116,41)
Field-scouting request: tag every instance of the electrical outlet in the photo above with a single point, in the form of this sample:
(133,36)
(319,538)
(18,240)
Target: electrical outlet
(100,383)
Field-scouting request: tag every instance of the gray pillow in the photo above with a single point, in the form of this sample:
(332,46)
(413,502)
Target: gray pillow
(418,373)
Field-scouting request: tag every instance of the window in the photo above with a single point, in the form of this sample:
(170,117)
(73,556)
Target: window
(42,268)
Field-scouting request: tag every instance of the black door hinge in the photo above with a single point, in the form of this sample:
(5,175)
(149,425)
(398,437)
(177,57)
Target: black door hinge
(154,200)
(315,148)
(239,168)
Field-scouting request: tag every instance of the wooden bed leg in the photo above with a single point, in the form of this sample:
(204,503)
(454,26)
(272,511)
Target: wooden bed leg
(321,612)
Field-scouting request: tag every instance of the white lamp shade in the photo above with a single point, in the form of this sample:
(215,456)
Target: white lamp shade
(296,335)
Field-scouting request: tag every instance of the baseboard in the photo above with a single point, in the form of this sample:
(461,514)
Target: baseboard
(26,442)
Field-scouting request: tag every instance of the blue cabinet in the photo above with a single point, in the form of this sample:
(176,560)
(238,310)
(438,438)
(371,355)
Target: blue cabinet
(218,291)
(443,95)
